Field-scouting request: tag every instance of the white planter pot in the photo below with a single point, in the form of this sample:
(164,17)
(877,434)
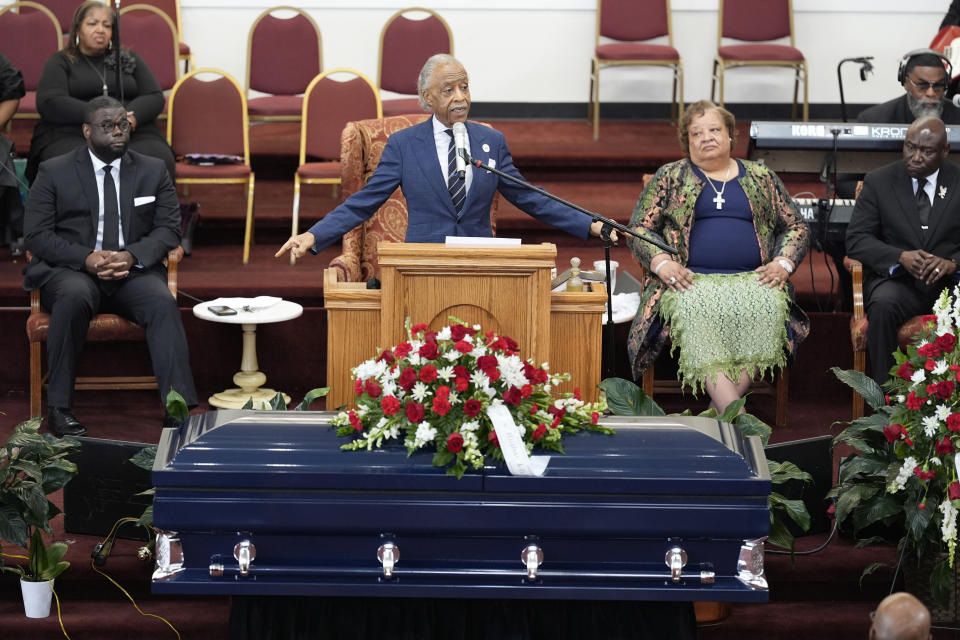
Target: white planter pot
(36,598)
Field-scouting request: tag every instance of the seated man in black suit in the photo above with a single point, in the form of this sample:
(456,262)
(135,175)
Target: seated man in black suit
(925,81)
(905,229)
(98,247)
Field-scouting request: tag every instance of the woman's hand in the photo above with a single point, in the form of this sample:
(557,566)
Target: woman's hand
(673,274)
(773,274)
(133,121)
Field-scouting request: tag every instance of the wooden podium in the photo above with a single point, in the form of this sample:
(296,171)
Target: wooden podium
(503,289)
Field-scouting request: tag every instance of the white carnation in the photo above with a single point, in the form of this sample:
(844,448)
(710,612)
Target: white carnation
(903,475)
(941,366)
(443,334)
(511,371)
(469,426)
(420,391)
(919,376)
(445,373)
(942,412)
(424,435)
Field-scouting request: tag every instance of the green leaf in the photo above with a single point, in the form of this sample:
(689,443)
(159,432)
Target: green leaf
(779,534)
(941,581)
(312,395)
(781,472)
(624,398)
(882,507)
(870,569)
(12,526)
(733,410)
(277,403)
(917,519)
(795,509)
(862,384)
(866,465)
(177,407)
(750,425)
(850,497)
(146,518)
(248,405)
(145,458)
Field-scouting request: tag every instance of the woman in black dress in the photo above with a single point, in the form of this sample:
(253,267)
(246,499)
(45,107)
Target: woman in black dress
(84,69)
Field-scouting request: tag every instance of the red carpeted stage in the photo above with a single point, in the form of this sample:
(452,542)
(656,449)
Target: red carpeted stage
(813,594)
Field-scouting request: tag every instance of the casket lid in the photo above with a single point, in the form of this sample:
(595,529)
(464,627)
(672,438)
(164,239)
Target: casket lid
(300,450)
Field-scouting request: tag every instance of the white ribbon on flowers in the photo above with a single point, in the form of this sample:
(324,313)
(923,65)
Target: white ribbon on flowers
(519,463)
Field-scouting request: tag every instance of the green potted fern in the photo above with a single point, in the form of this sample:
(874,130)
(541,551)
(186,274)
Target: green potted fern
(33,466)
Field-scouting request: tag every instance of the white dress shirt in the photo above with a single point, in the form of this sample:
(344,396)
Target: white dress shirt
(442,140)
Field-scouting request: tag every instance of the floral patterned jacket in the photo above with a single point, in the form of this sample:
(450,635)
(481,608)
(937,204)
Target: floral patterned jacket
(666,210)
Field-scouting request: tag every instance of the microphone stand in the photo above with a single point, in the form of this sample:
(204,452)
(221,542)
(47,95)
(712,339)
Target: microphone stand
(116,48)
(609,352)
(865,68)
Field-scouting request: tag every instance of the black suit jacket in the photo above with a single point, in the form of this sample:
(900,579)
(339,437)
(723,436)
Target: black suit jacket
(896,111)
(885,221)
(60,223)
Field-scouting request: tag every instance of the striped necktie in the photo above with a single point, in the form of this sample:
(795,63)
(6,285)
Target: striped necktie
(456,185)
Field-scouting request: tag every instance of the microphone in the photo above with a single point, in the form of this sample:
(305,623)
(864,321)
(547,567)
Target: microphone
(955,100)
(865,67)
(460,143)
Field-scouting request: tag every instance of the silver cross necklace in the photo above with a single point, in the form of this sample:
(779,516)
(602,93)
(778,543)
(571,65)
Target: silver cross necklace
(718,199)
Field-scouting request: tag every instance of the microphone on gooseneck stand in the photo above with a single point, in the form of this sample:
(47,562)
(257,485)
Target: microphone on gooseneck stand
(955,100)
(460,144)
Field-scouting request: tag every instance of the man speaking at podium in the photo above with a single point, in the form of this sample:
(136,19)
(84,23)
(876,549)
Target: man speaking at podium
(421,160)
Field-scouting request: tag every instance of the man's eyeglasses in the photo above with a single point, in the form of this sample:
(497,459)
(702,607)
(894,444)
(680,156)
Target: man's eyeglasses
(925,86)
(107,126)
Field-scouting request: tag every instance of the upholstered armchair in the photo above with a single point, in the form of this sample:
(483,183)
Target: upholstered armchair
(361,145)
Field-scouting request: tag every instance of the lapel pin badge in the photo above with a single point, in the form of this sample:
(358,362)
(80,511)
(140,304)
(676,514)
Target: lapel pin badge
(485,147)
(943,192)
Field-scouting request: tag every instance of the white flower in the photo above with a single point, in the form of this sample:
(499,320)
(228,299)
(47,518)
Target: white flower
(935,462)
(901,398)
(390,388)
(425,434)
(445,373)
(903,475)
(930,425)
(362,410)
(480,380)
(949,526)
(919,376)
(370,369)
(469,426)
(942,412)
(443,334)
(451,355)
(414,358)
(940,367)
(511,371)
(420,391)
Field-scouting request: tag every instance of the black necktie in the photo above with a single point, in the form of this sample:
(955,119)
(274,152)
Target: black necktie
(923,204)
(456,185)
(111,217)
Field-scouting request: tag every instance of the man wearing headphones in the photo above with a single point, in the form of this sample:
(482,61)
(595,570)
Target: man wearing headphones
(925,75)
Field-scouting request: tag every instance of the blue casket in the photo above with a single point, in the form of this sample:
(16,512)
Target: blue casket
(266,503)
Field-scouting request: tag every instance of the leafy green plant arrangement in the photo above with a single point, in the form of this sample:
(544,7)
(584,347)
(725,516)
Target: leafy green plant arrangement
(32,466)
(624,398)
(901,482)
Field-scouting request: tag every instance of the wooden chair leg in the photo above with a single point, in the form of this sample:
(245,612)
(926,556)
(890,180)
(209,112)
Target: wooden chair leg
(648,381)
(783,388)
(36,382)
(859,364)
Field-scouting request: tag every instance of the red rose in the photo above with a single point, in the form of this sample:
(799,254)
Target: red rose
(892,432)
(510,342)
(457,332)
(390,405)
(486,363)
(408,378)
(931,388)
(415,412)
(355,420)
(373,388)
(473,406)
(455,443)
(387,356)
(953,422)
(929,318)
(512,396)
(924,475)
(945,389)
(402,349)
(534,408)
(418,328)
(944,446)
(947,342)
(461,384)
(953,491)
(443,391)
(460,371)
(905,372)
(358,386)
(441,406)
(493,438)
(594,418)
(886,399)
(463,346)
(576,393)
(929,350)
(957,376)
(428,374)
(493,374)
(922,506)
(914,402)
(526,390)
(429,351)
(539,431)
(929,365)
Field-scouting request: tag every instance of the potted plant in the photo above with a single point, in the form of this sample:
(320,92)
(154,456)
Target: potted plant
(32,466)
(900,484)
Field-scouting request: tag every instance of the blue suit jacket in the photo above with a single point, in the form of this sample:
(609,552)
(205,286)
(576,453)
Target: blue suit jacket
(409,161)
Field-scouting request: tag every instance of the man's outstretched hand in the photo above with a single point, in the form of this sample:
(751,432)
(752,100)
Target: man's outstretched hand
(298,246)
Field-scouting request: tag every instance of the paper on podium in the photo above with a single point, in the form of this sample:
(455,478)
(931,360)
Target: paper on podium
(478,241)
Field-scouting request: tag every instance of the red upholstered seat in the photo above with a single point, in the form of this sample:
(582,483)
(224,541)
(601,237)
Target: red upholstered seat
(409,37)
(284,54)
(104,327)
(626,28)
(759,21)
(210,118)
(333,99)
(29,35)
(172,9)
(63,10)
(152,34)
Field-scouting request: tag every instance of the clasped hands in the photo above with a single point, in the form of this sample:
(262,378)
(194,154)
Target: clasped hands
(109,265)
(678,278)
(925,266)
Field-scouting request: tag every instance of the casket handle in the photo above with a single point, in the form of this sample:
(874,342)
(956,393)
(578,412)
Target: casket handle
(244,552)
(676,559)
(388,554)
(532,557)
